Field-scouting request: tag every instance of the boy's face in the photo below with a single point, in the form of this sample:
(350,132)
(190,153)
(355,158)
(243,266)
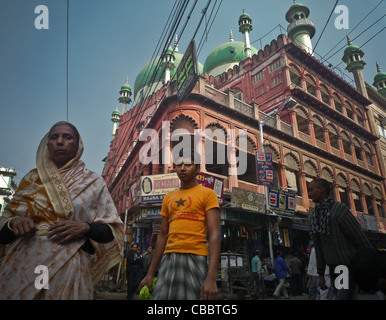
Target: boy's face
(187,170)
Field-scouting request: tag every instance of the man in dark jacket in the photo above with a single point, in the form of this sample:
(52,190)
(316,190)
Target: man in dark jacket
(337,237)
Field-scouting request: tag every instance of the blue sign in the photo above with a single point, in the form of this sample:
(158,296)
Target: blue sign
(282,202)
(264,169)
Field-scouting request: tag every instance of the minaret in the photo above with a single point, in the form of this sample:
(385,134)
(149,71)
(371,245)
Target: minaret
(245,27)
(231,39)
(167,63)
(353,58)
(380,81)
(301,29)
(176,44)
(125,95)
(115,119)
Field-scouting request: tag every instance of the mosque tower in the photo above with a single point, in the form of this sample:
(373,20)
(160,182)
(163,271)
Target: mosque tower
(353,58)
(245,27)
(125,95)
(168,63)
(380,81)
(115,119)
(301,29)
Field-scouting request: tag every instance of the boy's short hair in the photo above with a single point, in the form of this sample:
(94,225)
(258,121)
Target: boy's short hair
(193,156)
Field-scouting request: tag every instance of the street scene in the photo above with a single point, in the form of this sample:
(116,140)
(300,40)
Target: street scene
(193,150)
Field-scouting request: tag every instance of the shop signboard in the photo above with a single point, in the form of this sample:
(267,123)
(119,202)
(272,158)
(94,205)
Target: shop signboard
(187,72)
(212,182)
(155,187)
(282,202)
(151,213)
(264,168)
(371,222)
(248,200)
(381,227)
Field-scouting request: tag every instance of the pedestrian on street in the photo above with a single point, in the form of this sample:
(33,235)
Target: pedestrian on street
(337,236)
(133,271)
(56,222)
(187,214)
(282,272)
(257,276)
(296,266)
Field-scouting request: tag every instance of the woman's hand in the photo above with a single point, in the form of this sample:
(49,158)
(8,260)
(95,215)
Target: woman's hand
(22,226)
(65,231)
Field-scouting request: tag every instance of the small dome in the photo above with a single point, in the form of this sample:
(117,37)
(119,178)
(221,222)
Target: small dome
(350,49)
(145,75)
(126,86)
(225,56)
(296,8)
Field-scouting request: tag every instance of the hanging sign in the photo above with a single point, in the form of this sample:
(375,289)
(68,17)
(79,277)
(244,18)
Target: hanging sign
(187,72)
(264,168)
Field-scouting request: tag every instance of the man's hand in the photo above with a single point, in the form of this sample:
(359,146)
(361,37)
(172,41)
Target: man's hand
(322,282)
(209,290)
(22,226)
(65,231)
(147,281)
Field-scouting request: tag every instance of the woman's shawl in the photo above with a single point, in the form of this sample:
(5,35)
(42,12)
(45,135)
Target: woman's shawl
(47,194)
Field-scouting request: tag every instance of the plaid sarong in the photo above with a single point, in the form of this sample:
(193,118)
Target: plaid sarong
(180,277)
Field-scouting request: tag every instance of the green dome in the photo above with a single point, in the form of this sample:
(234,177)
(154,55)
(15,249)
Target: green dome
(379,77)
(145,75)
(297,7)
(230,52)
(126,87)
(350,49)
(115,112)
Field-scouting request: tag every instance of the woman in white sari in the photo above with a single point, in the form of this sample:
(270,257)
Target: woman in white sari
(61,219)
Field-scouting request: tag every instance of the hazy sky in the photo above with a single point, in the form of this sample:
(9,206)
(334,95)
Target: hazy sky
(110,40)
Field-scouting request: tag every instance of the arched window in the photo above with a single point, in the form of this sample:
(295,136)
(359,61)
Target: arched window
(368,154)
(342,188)
(325,94)
(327,174)
(292,173)
(367,194)
(250,155)
(360,118)
(378,200)
(349,110)
(318,128)
(311,85)
(302,120)
(346,143)
(216,159)
(337,102)
(355,190)
(295,75)
(332,134)
(310,171)
(357,148)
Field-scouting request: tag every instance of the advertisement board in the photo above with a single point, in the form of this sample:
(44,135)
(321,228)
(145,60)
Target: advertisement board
(282,202)
(264,169)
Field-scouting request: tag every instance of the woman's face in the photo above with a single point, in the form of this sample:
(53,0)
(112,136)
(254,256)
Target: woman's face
(62,145)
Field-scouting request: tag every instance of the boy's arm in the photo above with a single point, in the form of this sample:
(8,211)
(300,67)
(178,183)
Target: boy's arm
(209,287)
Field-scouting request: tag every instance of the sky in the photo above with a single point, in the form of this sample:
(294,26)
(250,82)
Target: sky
(109,40)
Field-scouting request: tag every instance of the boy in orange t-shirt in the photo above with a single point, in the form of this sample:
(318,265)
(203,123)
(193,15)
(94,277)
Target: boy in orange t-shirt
(187,213)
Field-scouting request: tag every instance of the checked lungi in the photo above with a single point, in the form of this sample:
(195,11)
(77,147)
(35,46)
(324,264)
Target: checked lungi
(180,277)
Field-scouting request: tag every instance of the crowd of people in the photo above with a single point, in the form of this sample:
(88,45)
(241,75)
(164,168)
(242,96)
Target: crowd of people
(341,260)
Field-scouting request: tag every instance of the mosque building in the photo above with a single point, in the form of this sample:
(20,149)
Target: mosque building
(279,99)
